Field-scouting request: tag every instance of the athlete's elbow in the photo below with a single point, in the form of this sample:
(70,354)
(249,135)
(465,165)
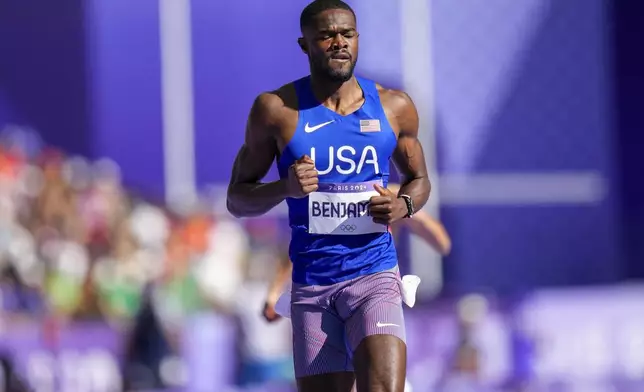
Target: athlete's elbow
(232,204)
(238,209)
(232,210)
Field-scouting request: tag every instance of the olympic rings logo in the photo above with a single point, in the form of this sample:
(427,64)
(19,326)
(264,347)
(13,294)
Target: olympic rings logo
(348,228)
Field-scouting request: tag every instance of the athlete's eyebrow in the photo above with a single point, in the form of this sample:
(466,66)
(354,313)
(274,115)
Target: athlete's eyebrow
(333,31)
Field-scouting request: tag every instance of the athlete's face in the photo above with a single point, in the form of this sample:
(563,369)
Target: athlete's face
(332,44)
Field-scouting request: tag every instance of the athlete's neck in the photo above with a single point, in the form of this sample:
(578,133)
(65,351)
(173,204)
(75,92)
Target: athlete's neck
(337,96)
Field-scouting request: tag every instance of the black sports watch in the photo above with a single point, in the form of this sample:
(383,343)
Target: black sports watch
(410,205)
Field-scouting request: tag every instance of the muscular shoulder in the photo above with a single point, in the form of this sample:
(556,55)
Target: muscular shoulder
(400,108)
(275,108)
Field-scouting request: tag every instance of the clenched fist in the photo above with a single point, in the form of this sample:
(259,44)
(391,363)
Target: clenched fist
(387,207)
(302,177)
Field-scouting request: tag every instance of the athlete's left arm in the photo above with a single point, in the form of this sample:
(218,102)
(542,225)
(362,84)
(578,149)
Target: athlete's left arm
(408,155)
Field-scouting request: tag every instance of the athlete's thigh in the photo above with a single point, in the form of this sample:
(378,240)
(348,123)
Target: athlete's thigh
(380,363)
(375,329)
(319,340)
(330,382)
(372,305)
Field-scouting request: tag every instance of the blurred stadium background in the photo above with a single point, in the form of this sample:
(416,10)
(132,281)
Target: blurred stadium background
(120,119)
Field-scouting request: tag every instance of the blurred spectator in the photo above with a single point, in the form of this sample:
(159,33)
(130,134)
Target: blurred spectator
(69,266)
(463,374)
(266,349)
(121,275)
(219,270)
(145,350)
(74,244)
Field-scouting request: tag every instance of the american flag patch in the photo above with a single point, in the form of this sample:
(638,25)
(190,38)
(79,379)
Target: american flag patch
(369,125)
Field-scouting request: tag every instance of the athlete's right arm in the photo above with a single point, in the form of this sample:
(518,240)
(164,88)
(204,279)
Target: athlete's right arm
(247,196)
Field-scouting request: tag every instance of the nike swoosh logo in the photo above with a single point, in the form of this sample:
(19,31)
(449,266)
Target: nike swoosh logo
(308,129)
(380,325)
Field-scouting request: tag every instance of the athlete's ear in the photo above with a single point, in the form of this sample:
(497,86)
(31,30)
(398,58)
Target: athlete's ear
(302,43)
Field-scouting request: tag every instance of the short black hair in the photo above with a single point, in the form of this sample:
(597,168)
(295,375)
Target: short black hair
(317,6)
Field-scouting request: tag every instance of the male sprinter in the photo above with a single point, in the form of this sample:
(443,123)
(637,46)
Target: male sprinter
(333,134)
